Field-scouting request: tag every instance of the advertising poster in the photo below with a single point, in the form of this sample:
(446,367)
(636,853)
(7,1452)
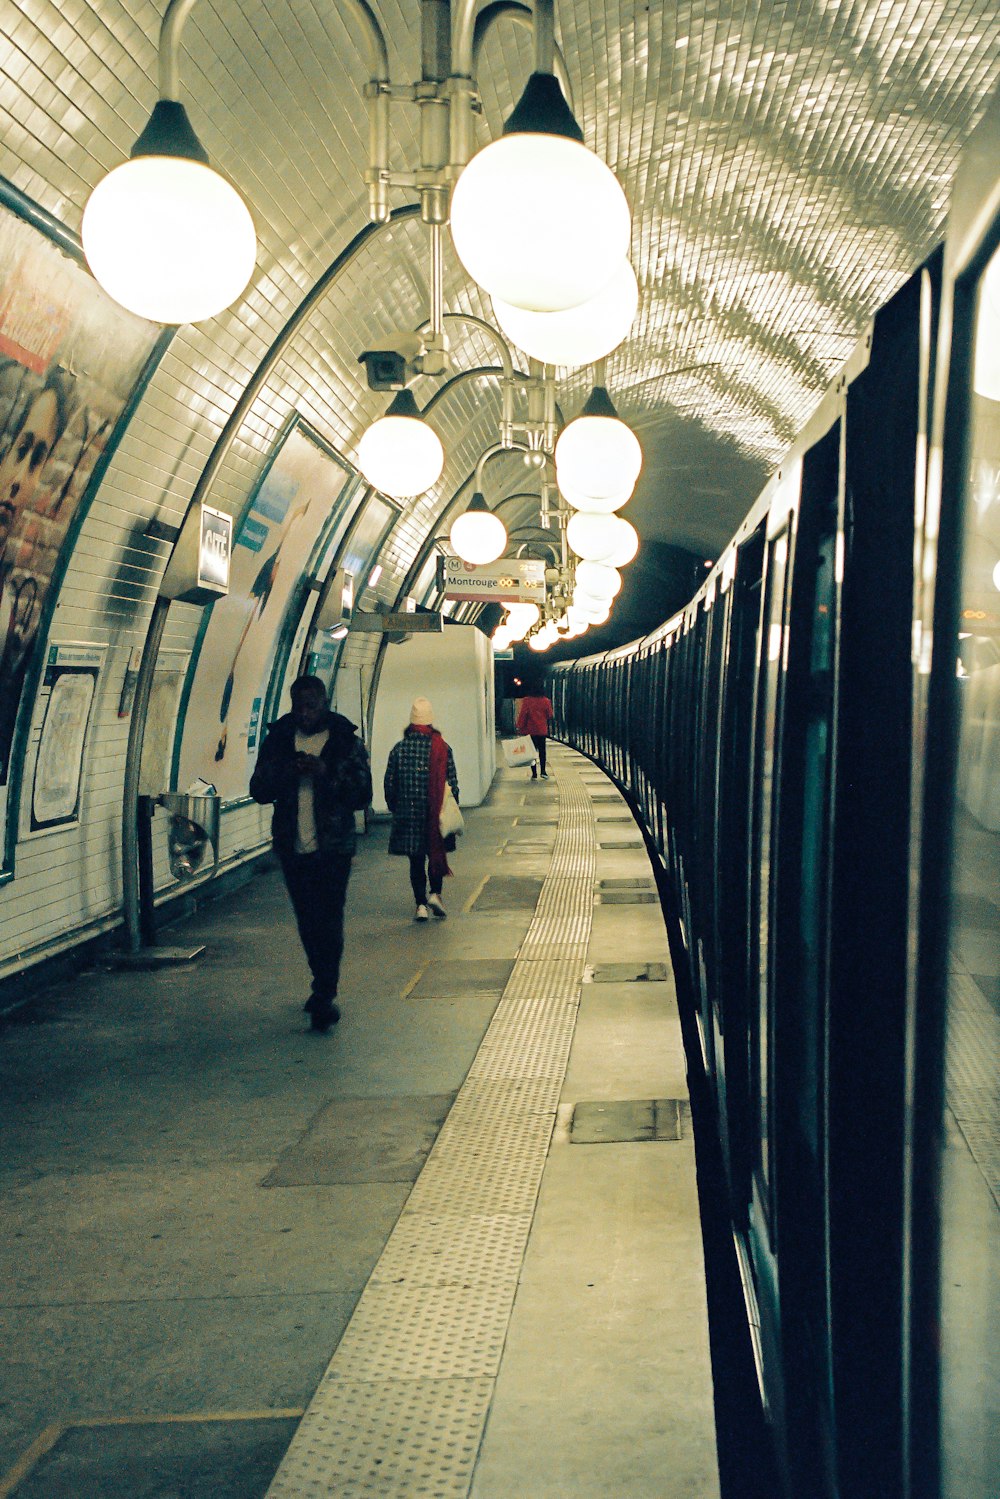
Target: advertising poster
(274,545)
(69,360)
(357,559)
(71,678)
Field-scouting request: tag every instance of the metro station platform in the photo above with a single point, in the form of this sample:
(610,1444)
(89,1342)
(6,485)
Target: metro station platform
(450,1248)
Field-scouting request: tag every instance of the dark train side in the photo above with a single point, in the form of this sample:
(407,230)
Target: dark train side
(804,744)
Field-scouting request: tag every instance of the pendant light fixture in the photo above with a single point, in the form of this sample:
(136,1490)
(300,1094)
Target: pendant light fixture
(577,335)
(598,579)
(478,535)
(602,538)
(399,454)
(537,218)
(597,455)
(166,235)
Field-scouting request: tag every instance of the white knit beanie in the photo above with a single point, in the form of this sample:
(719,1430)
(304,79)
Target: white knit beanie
(421,713)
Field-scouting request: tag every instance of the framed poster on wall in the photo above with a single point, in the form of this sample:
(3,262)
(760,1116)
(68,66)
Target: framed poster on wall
(357,558)
(302,493)
(73,365)
(71,678)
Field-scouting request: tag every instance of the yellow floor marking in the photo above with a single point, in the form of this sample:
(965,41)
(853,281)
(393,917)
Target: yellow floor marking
(48,1438)
(503,846)
(415,980)
(475,895)
(43,1443)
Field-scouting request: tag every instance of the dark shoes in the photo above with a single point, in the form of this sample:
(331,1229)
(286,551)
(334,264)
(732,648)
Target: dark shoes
(322,1012)
(323,1016)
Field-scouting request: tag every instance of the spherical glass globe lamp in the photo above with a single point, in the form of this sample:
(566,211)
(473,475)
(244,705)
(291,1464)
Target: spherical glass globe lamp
(624,545)
(478,535)
(400,455)
(596,454)
(598,613)
(605,503)
(591,535)
(536,218)
(164,234)
(520,619)
(598,579)
(577,335)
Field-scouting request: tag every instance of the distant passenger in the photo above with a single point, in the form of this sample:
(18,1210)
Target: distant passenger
(420,765)
(534,717)
(314,769)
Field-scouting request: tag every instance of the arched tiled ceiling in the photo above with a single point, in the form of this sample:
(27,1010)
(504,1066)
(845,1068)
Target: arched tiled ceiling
(788,164)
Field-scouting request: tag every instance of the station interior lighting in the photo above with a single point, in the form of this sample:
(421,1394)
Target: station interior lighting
(598,579)
(164,233)
(399,454)
(577,335)
(597,455)
(537,219)
(598,538)
(477,535)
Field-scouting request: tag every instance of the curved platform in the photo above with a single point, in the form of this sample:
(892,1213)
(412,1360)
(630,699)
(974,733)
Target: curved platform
(461,1230)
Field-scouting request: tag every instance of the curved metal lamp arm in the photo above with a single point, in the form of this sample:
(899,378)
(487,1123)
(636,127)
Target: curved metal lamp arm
(377,91)
(544,31)
(178,11)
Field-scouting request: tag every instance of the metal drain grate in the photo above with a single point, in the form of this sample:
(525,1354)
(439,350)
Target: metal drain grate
(402,1406)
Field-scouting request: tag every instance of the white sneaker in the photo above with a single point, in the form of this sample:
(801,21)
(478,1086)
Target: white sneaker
(437,906)
(421,914)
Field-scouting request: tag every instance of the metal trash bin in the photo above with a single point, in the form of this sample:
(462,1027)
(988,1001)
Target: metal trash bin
(194,826)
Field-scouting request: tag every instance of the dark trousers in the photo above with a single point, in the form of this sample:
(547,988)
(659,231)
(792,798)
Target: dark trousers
(418,879)
(538,740)
(317,886)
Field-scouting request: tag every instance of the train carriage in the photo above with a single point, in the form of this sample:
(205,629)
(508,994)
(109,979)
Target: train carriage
(820,787)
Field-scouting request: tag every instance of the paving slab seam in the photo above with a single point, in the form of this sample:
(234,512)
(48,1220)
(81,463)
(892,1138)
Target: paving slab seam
(403,1404)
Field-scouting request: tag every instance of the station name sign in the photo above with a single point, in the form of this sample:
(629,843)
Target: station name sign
(424,623)
(509,581)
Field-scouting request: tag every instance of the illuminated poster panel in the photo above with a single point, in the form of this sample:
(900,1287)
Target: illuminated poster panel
(72,362)
(276,541)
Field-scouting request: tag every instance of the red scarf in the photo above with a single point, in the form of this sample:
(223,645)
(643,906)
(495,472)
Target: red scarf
(437,775)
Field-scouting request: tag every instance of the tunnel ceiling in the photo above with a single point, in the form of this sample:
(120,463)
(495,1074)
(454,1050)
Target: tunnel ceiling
(787,166)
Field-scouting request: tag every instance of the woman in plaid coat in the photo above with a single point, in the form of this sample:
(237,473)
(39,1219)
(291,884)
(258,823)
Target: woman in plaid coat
(420,765)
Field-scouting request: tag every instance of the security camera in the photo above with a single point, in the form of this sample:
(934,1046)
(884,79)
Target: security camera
(394,362)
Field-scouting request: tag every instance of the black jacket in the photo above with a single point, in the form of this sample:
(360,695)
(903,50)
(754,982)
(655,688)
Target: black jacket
(345,789)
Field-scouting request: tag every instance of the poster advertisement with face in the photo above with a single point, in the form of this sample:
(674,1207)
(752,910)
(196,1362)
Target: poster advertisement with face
(276,541)
(70,358)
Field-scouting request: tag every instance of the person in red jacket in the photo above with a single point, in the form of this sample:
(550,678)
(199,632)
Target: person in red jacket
(534,717)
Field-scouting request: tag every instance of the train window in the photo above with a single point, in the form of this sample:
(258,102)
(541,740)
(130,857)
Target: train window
(970,1251)
(769,711)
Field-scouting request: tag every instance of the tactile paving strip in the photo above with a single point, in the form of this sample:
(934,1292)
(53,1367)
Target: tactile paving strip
(971,1079)
(401,1409)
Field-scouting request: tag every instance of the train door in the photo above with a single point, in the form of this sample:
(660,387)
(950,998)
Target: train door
(765,816)
(797,970)
(733,863)
(955,1231)
(707,771)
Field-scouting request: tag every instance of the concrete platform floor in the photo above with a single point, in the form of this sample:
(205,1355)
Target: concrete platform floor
(195,1189)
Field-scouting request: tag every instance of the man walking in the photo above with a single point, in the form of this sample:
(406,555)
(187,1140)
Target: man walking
(314,769)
